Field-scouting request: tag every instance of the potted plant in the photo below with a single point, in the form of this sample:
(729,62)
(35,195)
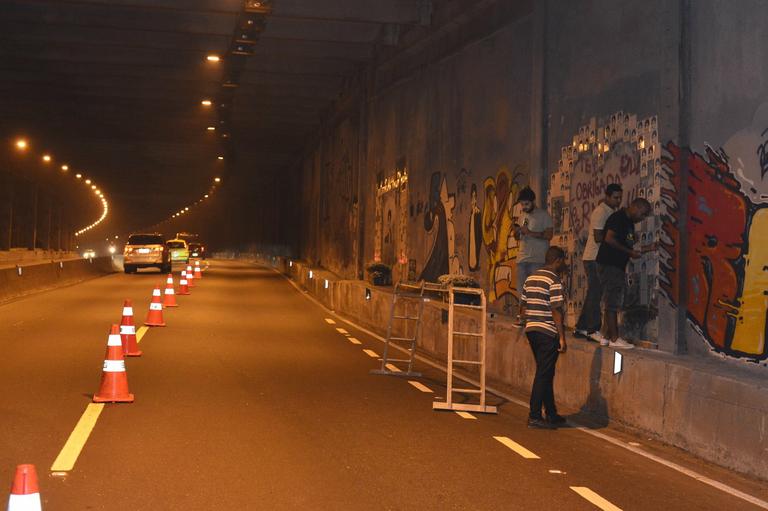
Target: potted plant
(379,274)
(458,280)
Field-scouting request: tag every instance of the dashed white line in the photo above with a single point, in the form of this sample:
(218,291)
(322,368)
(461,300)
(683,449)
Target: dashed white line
(519,449)
(341,331)
(420,386)
(371,353)
(330,321)
(393,368)
(466,415)
(353,340)
(594,498)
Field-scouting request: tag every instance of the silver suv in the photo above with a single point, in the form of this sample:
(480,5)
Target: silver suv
(146,250)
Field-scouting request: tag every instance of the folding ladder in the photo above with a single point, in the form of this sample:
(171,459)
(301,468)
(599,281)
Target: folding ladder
(466,338)
(405,294)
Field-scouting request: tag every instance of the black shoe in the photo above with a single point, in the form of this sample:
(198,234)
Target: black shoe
(539,424)
(556,420)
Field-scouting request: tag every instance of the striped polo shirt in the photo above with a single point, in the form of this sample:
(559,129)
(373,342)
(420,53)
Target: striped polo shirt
(542,292)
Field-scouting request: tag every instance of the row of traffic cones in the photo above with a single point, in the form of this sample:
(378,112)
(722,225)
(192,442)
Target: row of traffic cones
(122,342)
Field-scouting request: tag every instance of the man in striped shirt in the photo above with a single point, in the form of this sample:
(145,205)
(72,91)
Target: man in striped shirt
(542,304)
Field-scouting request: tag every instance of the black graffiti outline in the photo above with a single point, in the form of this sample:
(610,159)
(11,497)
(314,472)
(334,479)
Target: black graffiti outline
(762,154)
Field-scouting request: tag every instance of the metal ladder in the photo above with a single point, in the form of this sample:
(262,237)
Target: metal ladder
(480,336)
(404,293)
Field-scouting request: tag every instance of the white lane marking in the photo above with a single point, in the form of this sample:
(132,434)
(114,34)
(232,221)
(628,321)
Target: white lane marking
(594,498)
(556,472)
(371,353)
(353,340)
(634,444)
(497,392)
(465,415)
(330,321)
(519,449)
(393,368)
(420,386)
(341,331)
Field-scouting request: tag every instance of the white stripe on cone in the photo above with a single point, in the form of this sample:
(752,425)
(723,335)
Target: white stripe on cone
(127,311)
(114,340)
(127,329)
(169,291)
(114,366)
(29,502)
(155,306)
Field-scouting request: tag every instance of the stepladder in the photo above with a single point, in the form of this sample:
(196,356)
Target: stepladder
(406,311)
(466,350)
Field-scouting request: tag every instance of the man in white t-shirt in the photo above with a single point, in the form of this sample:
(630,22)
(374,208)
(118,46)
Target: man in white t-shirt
(589,322)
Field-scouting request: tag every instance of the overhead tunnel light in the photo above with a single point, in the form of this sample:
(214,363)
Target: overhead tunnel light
(46,158)
(206,102)
(213,58)
(258,6)
(21,144)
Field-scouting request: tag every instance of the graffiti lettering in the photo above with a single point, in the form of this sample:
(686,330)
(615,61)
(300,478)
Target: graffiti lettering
(762,154)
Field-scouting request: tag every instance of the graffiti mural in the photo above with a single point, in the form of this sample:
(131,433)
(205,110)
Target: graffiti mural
(618,149)
(475,236)
(439,223)
(500,245)
(390,243)
(727,257)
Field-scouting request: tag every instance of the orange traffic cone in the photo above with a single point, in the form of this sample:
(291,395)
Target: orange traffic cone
(198,271)
(183,287)
(114,380)
(169,300)
(155,315)
(190,277)
(128,332)
(25,493)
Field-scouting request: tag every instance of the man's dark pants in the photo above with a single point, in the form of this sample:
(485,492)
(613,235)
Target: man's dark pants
(590,319)
(545,352)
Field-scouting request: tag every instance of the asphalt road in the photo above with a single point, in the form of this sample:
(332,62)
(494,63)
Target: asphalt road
(250,399)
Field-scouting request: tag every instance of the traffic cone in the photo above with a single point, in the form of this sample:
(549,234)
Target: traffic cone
(190,277)
(183,287)
(169,300)
(25,493)
(114,380)
(128,332)
(155,315)
(198,271)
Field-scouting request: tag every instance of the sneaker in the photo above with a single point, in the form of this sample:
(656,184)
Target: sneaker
(621,344)
(580,333)
(539,423)
(598,337)
(556,420)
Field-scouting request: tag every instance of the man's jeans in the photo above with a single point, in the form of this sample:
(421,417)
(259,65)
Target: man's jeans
(590,319)
(524,270)
(545,352)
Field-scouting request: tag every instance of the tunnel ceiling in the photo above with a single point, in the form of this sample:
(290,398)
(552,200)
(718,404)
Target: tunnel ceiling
(114,87)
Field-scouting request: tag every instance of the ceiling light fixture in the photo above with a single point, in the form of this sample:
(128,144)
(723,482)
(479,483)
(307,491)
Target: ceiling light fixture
(21,144)
(46,158)
(213,58)
(206,102)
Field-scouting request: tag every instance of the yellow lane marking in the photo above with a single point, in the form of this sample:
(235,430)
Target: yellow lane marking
(594,498)
(465,415)
(330,321)
(66,459)
(519,449)
(393,368)
(420,386)
(140,333)
(371,353)
(353,340)
(341,331)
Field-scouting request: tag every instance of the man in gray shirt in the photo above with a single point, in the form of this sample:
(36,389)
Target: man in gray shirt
(533,229)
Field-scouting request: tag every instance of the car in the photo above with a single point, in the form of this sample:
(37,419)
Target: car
(179,250)
(197,250)
(89,253)
(146,250)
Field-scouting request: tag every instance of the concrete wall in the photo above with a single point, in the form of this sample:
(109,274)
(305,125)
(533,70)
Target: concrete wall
(700,405)
(39,277)
(419,164)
